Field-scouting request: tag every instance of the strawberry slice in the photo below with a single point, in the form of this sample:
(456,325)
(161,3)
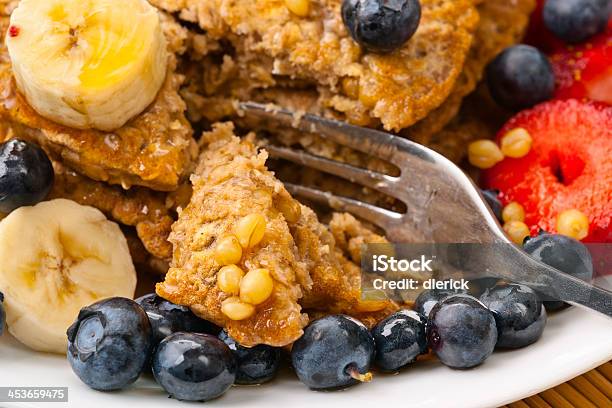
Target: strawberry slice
(568,166)
(585,71)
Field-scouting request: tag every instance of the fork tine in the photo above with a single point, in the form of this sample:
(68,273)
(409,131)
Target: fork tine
(376,215)
(373,142)
(372,179)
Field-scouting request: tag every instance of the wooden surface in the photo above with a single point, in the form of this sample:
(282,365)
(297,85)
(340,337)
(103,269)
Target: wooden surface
(590,390)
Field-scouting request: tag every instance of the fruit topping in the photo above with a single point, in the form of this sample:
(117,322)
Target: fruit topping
(461,331)
(563,253)
(518,312)
(479,285)
(537,34)
(26,175)
(574,21)
(520,77)
(585,70)
(381,25)
(110,343)
(399,338)
(14,31)
(167,318)
(429,298)
(254,365)
(56,258)
(88,64)
(567,168)
(335,351)
(194,367)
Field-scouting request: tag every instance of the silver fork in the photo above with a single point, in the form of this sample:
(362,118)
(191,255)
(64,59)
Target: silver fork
(443,204)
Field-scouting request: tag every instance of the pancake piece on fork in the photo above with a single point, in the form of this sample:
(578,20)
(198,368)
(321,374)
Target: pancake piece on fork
(307,269)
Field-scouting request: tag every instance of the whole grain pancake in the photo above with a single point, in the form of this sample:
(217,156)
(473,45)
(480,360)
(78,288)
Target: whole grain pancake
(502,24)
(151,213)
(154,149)
(270,45)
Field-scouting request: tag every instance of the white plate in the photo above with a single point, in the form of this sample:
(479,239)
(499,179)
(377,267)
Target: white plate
(575,341)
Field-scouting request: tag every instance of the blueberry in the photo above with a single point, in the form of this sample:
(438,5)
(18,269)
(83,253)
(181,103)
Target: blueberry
(429,298)
(194,366)
(492,199)
(461,331)
(255,365)
(26,175)
(2,314)
(518,312)
(479,285)
(520,77)
(335,351)
(167,318)
(574,21)
(110,343)
(381,25)
(399,338)
(563,253)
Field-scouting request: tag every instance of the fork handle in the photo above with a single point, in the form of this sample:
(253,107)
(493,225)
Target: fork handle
(520,267)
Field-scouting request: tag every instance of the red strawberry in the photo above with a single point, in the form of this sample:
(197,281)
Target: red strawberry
(569,166)
(585,71)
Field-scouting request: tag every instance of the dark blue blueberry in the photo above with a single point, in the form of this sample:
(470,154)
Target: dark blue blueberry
(110,343)
(518,312)
(574,21)
(479,285)
(335,351)
(381,25)
(26,175)
(461,331)
(563,253)
(520,77)
(399,338)
(194,366)
(492,199)
(2,314)
(429,298)
(255,365)
(167,318)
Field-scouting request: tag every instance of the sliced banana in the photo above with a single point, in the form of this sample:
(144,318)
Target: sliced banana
(55,258)
(87,63)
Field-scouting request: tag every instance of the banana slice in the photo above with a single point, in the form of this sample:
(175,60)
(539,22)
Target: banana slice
(87,63)
(55,258)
